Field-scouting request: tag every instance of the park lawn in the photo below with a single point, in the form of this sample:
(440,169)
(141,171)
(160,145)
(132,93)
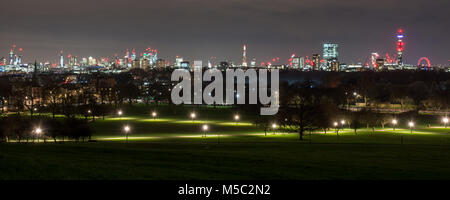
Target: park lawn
(172,147)
(210,161)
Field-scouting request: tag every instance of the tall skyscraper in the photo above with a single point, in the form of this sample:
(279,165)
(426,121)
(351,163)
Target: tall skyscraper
(11,57)
(178,62)
(315,62)
(160,64)
(253,62)
(244,56)
(330,51)
(330,54)
(302,62)
(400,47)
(61,59)
(296,62)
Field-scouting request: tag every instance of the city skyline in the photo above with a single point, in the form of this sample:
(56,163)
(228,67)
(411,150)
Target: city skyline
(268,29)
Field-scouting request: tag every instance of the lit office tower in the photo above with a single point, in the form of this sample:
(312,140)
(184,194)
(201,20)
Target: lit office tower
(160,64)
(133,55)
(61,60)
(244,56)
(178,62)
(253,63)
(400,47)
(315,62)
(302,62)
(11,57)
(296,62)
(330,53)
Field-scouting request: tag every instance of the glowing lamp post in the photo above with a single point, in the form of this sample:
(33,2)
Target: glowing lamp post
(336,124)
(205,129)
(38,132)
(120,114)
(394,123)
(411,125)
(445,121)
(126,129)
(274,127)
(193,115)
(154,115)
(342,123)
(236,118)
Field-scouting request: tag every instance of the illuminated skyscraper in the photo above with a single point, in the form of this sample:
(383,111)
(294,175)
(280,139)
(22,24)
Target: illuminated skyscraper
(61,60)
(11,57)
(253,63)
(315,62)
(178,62)
(400,47)
(296,62)
(330,53)
(160,64)
(244,56)
(302,62)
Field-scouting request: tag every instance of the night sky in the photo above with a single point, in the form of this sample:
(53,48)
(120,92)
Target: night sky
(200,29)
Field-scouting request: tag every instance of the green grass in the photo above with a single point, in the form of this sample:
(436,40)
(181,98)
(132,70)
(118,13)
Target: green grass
(171,146)
(193,161)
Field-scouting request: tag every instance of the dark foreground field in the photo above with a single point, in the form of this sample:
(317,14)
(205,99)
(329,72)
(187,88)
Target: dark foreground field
(273,161)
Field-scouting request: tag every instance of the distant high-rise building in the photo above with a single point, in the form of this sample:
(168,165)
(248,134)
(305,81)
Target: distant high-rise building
(178,62)
(380,63)
(61,60)
(295,62)
(244,56)
(253,63)
(224,65)
(185,65)
(330,53)
(160,63)
(302,62)
(400,47)
(315,62)
(209,64)
(334,66)
(145,63)
(136,63)
(11,57)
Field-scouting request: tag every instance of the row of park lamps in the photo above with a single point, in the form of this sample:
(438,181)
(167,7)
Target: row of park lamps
(411,124)
(193,115)
(38,131)
(205,127)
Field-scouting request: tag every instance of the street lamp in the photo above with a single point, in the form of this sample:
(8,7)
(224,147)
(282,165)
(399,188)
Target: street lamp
(38,132)
(205,128)
(336,127)
(126,129)
(274,127)
(120,114)
(411,125)
(236,118)
(445,120)
(153,114)
(394,123)
(193,115)
(342,123)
